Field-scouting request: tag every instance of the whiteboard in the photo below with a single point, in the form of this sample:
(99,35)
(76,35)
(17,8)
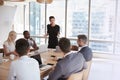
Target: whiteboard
(7,14)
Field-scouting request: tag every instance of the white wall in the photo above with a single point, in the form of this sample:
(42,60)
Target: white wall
(6,20)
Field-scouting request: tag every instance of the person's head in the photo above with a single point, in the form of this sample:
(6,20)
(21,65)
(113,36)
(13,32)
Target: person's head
(22,47)
(52,19)
(26,34)
(64,45)
(1,2)
(82,40)
(12,36)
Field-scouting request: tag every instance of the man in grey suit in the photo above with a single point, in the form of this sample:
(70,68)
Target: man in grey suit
(83,48)
(72,62)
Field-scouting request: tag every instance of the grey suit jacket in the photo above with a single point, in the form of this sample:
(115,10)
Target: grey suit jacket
(72,63)
(87,53)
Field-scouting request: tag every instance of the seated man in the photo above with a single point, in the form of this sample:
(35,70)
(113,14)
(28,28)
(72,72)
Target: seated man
(24,68)
(83,48)
(30,40)
(72,62)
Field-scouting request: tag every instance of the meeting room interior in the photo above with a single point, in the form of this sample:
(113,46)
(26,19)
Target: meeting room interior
(59,39)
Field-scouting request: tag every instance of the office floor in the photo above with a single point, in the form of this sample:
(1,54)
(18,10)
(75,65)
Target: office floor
(104,69)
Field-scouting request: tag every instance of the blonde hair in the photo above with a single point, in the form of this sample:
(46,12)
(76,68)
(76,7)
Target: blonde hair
(11,33)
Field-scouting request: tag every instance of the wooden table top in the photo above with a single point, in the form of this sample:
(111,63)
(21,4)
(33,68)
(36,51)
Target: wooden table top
(46,56)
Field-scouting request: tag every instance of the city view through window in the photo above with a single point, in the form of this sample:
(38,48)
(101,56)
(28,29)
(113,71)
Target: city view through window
(98,19)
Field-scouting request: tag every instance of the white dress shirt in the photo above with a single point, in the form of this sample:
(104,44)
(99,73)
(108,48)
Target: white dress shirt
(24,68)
(71,52)
(81,47)
(31,43)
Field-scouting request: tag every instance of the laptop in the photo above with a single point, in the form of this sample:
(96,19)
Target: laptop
(58,49)
(38,58)
(43,48)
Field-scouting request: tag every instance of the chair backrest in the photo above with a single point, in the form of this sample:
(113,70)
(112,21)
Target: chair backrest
(86,71)
(2,51)
(76,76)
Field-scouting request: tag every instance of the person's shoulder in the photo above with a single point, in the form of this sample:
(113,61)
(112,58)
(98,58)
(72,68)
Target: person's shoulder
(5,43)
(33,60)
(76,54)
(48,25)
(70,56)
(57,25)
(62,61)
(73,56)
(88,48)
(80,54)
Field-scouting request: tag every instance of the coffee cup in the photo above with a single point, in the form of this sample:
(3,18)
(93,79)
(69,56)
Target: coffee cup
(12,56)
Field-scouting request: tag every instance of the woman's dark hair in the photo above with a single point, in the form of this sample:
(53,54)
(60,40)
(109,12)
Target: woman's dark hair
(64,45)
(51,17)
(21,47)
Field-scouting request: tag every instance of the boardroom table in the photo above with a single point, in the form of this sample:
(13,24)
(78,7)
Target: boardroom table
(45,56)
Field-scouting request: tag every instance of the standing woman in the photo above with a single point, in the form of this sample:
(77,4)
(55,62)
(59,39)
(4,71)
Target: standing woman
(9,44)
(53,30)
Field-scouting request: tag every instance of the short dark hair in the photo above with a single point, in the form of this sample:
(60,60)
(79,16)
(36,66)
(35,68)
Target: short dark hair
(83,38)
(64,44)
(21,47)
(25,32)
(51,17)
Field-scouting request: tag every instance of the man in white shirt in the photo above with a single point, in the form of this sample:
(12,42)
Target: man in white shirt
(31,42)
(24,68)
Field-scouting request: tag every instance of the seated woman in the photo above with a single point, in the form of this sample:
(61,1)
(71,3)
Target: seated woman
(9,44)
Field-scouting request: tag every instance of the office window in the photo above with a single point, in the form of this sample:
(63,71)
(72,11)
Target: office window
(102,25)
(19,19)
(117,39)
(37,21)
(77,17)
(20,24)
(102,32)
(102,19)
(35,12)
(102,47)
(57,9)
(19,36)
(39,41)
(73,42)
(26,16)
